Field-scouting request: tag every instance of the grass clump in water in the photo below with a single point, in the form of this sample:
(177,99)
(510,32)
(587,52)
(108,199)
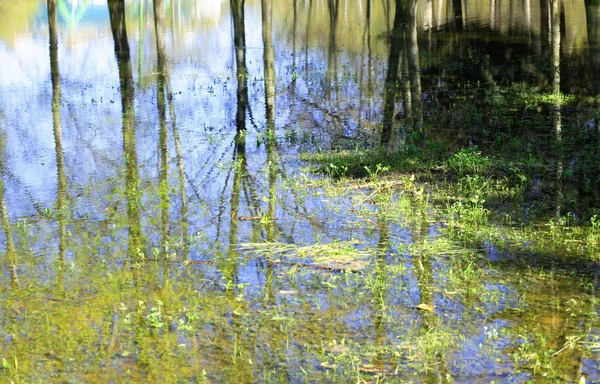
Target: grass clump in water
(359,163)
(342,254)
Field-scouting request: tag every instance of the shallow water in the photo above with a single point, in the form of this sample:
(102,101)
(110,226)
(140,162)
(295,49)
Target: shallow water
(159,225)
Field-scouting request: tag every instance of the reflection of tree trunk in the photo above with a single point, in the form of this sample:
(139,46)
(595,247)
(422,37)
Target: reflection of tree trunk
(239,155)
(269,64)
(381,287)
(404,16)
(307,42)
(11,252)
(141,39)
(458,15)
(165,96)
(369,54)
(239,40)
(173,22)
(391,80)
(57,129)
(332,71)
(593,30)
(181,174)
(161,94)
(527,6)
(387,13)
(557,118)
(544,26)
(406,93)
(333,7)
(414,67)
(428,17)
(492,14)
(294,56)
(117,22)
(425,282)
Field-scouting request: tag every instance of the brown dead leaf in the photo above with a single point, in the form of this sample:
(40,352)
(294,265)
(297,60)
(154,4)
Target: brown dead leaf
(250,218)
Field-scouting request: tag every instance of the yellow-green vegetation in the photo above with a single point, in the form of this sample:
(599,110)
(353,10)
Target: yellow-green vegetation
(362,195)
(16,17)
(393,308)
(476,239)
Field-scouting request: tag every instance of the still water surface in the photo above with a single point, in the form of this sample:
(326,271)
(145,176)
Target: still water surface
(146,144)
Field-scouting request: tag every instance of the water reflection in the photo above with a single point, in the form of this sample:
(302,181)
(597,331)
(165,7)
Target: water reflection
(61,180)
(216,101)
(11,252)
(404,60)
(162,97)
(126,87)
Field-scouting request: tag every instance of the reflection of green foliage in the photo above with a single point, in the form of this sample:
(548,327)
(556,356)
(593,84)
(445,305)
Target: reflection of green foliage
(350,24)
(65,12)
(15,17)
(558,99)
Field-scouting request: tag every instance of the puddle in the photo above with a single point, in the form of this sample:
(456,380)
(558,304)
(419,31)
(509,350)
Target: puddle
(178,203)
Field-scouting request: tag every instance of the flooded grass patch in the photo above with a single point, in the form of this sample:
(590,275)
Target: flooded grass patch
(470,200)
(160,223)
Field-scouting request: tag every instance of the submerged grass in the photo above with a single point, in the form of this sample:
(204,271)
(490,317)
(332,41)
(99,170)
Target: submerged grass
(421,306)
(410,293)
(478,206)
(343,255)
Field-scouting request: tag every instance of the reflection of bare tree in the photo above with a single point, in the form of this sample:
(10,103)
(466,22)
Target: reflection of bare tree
(269,64)
(381,286)
(405,17)
(239,152)
(391,80)
(294,47)
(333,7)
(307,38)
(593,30)
(57,129)
(161,95)
(545,37)
(369,52)
(164,96)
(11,251)
(332,68)
(119,31)
(141,39)
(239,41)
(458,14)
(425,276)
(181,177)
(557,117)
(239,172)
(414,67)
